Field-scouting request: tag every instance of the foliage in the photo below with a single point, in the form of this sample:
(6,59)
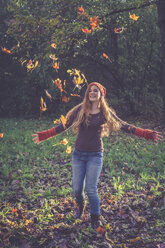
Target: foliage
(132,74)
(37,208)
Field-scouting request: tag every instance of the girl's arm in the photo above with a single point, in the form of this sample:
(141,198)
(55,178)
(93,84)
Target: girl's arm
(144,133)
(47,134)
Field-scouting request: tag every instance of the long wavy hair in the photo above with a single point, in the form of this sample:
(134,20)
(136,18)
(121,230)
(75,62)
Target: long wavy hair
(111,123)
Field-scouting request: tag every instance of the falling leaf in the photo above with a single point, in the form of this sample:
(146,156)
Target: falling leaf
(36,64)
(65,99)
(48,95)
(94,22)
(6,50)
(56,65)
(69,150)
(80,10)
(1,135)
(105,55)
(133,17)
(43,105)
(70,72)
(53,45)
(63,120)
(57,82)
(75,95)
(119,30)
(78,80)
(57,121)
(53,57)
(86,30)
(31,66)
(64,142)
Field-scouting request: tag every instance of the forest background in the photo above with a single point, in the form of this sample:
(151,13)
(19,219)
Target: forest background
(49,51)
(122,53)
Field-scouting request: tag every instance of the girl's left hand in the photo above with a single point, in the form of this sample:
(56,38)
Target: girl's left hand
(156,136)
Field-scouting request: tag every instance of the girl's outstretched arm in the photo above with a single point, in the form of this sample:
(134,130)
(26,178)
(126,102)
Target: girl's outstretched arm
(47,134)
(144,133)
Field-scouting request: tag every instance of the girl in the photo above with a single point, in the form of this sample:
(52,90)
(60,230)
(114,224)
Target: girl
(92,119)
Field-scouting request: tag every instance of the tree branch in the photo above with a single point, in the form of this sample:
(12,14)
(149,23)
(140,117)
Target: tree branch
(132,8)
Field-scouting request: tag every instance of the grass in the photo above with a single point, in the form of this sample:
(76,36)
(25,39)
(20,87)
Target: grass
(36,180)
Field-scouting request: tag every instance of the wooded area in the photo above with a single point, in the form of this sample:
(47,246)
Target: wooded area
(124,54)
(50,50)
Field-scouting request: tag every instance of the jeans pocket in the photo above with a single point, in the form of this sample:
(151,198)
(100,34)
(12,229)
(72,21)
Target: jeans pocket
(76,153)
(99,154)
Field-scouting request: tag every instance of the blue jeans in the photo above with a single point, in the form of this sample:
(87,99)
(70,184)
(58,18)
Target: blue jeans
(86,169)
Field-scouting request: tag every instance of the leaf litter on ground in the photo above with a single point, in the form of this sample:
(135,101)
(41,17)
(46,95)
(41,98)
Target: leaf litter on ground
(38,209)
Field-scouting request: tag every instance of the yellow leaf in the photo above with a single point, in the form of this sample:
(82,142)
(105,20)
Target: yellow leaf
(64,142)
(27,222)
(134,17)
(53,45)
(43,105)
(69,150)
(63,120)
(36,63)
(57,121)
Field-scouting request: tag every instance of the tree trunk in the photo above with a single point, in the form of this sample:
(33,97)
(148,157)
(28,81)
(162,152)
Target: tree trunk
(161,23)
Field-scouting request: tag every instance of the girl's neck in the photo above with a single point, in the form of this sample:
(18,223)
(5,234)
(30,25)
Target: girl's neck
(94,107)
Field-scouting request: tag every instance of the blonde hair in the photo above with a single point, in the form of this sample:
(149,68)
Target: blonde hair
(111,123)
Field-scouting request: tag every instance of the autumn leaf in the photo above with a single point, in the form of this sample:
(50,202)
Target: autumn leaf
(133,17)
(53,57)
(13,210)
(48,95)
(94,22)
(105,55)
(43,105)
(69,150)
(56,65)
(63,120)
(57,121)
(6,50)
(150,197)
(31,66)
(135,240)
(101,230)
(118,30)
(1,135)
(80,10)
(53,45)
(36,64)
(86,30)
(65,99)
(108,227)
(75,95)
(57,82)
(28,221)
(64,142)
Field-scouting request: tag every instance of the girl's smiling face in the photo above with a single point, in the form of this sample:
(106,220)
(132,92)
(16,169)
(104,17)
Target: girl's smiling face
(94,94)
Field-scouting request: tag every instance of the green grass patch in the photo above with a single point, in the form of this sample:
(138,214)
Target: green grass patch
(36,181)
